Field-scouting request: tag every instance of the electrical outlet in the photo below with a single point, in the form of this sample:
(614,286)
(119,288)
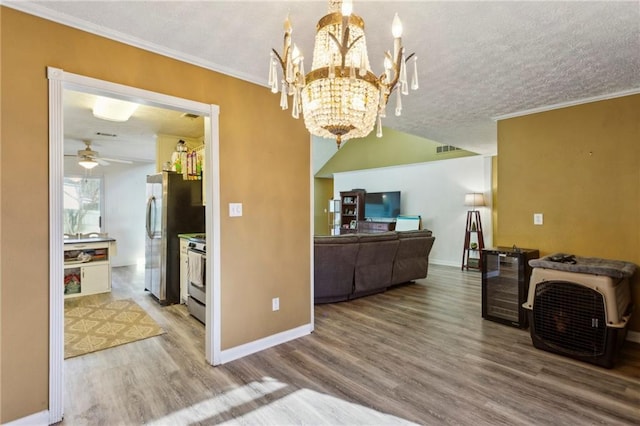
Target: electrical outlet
(275,304)
(538,219)
(235,209)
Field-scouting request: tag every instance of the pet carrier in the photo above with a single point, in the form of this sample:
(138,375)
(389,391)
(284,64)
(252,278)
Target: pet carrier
(580,309)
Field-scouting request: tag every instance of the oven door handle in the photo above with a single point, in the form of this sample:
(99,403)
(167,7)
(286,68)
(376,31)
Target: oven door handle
(201,287)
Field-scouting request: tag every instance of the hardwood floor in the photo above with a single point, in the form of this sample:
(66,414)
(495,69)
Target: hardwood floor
(420,353)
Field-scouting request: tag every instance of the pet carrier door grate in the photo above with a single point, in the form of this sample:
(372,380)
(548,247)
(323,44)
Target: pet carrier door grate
(570,318)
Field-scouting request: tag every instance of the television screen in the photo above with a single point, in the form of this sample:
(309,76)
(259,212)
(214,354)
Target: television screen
(382,205)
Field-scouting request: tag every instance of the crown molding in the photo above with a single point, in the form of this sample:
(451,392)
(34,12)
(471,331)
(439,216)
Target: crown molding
(567,104)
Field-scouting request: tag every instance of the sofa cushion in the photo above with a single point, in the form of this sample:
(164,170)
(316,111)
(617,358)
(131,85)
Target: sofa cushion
(380,236)
(374,263)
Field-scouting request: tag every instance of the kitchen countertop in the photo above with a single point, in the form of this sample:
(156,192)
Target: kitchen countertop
(190,235)
(88,240)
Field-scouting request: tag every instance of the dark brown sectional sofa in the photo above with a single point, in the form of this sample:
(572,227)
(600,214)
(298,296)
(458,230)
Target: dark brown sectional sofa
(356,265)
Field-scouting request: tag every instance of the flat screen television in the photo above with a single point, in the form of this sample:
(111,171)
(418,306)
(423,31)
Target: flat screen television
(383,206)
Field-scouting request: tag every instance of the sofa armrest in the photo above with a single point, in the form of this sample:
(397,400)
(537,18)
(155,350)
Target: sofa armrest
(334,266)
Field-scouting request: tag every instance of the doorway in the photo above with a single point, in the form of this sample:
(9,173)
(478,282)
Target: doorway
(59,80)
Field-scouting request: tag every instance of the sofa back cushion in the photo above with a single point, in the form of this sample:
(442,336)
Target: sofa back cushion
(374,263)
(415,233)
(412,258)
(335,239)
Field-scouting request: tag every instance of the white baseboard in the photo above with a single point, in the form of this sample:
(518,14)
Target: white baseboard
(633,336)
(258,345)
(443,262)
(37,419)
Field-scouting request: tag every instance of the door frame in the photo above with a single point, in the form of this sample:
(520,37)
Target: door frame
(59,80)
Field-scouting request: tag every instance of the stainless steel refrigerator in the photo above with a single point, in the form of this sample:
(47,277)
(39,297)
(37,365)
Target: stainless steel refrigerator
(174,206)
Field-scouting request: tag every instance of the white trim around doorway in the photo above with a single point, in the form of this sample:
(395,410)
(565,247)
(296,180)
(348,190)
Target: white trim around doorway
(59,80)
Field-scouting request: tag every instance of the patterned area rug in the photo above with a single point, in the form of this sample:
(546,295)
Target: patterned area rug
(93,327)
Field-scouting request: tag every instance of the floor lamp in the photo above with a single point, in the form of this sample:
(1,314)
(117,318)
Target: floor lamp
(473,227)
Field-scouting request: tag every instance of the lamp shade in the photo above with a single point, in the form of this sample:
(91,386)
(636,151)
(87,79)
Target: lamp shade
(475,199)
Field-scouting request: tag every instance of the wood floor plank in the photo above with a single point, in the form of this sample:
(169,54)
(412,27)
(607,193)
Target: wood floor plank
(417,354)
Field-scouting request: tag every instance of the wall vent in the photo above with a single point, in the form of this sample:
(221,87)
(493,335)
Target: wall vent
(446,148)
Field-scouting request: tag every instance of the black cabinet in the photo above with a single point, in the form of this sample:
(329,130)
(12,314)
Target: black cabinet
(505,284)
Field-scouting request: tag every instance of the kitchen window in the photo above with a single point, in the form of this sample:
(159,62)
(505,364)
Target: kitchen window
(82,205)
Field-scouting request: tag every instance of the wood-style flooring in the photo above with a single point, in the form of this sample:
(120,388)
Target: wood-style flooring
(418,354)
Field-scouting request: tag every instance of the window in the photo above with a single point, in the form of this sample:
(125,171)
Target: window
(82,205)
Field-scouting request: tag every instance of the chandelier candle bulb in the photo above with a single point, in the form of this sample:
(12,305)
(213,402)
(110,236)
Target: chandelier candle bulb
(287,25)
(347,7)
(396,30)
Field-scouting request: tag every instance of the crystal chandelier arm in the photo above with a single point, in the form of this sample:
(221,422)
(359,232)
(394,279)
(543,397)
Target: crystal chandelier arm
(286,45)
(396,69)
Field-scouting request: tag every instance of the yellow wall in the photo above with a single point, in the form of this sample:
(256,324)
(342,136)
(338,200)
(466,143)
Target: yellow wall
(264,254)
(580,167)
(322,193)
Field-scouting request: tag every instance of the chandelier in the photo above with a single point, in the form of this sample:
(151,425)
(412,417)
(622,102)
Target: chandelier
(341,98)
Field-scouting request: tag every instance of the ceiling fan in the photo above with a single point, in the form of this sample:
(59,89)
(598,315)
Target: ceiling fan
(88,158)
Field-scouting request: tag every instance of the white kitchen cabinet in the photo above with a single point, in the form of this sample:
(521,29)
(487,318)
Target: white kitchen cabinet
(184,270)
(87,266)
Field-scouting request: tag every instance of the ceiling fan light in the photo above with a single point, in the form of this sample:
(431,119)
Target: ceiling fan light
(113,109)
(88,163)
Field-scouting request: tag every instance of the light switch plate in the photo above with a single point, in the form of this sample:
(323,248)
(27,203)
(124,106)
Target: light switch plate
(538,219)
(235,209)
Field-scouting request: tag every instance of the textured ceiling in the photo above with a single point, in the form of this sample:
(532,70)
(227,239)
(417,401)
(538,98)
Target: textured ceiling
(477,60)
